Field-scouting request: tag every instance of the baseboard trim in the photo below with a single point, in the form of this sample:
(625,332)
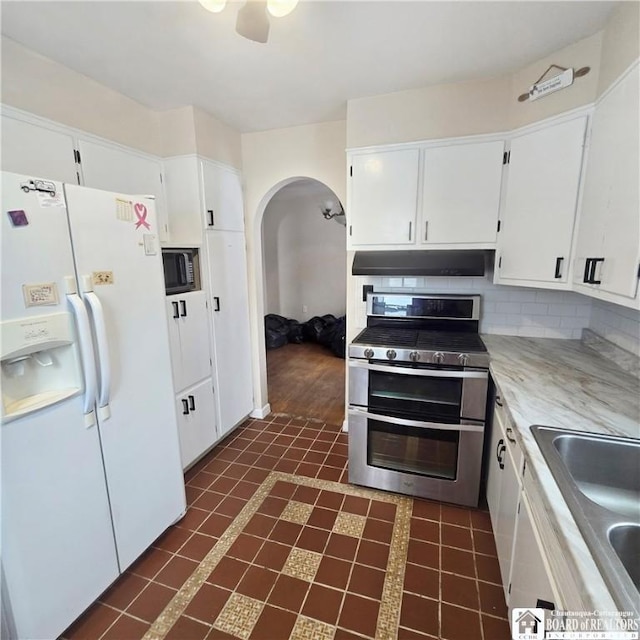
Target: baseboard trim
(262,413)
(345,425)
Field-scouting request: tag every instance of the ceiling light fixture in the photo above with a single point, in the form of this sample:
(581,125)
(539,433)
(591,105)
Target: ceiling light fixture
(252,21)
(215,6)
(281,8)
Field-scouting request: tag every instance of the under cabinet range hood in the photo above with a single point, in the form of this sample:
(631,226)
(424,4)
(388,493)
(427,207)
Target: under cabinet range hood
(419,263)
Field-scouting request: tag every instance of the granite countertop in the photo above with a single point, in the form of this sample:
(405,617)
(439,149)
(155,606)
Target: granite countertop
(566,384)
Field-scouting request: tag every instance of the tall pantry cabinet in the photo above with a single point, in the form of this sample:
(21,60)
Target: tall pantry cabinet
(205,206)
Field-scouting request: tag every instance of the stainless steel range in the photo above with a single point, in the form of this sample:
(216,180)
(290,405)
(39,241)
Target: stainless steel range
(418,380)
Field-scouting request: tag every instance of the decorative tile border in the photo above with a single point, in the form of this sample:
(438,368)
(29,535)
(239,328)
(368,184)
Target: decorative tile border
(389,614)
(309,629)
(297,512)
(239,615)
(302,564)
(349,524)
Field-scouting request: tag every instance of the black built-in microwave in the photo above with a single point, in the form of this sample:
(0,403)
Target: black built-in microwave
(181,270)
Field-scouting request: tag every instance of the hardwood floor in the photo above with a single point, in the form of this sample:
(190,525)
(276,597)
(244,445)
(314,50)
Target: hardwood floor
(306,380)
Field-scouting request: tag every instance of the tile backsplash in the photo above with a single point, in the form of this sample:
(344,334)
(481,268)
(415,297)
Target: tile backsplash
(617,324)
(516,311)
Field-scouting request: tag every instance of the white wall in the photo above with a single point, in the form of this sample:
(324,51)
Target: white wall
(439,111)
(617,324)
(39,85)
(304,256)
(272,159)
(620,43)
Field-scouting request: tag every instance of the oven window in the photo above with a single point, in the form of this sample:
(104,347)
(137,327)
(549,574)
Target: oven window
(421,451)
(418,397)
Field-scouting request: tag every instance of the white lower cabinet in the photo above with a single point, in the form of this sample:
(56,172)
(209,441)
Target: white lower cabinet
(187,315)
(530,584)
(189,337)
(196,409)
(524,566)
(503,492)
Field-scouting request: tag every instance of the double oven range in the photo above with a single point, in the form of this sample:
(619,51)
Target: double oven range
(418,382)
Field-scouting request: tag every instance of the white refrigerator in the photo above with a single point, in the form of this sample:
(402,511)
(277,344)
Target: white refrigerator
(91,471)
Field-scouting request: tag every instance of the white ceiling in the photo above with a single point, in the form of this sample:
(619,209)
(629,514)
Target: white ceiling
(171,54)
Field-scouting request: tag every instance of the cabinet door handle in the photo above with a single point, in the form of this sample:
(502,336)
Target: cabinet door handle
(192,403)
(410,226)
(587,269)
(499,402)
(594,266)
(558,273)
(211,220)
(509,433)
(217,301)
(183,305)
(426,229)
(500,449)
(185,407)
(176,313)
(545,604)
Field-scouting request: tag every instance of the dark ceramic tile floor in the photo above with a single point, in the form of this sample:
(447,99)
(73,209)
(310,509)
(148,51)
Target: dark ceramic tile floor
(451,588)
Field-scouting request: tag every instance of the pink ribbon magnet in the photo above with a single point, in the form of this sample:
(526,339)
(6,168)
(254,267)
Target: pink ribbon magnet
(141,213)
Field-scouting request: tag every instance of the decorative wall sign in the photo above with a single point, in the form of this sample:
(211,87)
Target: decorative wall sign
(541,87)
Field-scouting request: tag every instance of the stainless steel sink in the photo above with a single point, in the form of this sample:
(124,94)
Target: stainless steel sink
(599,477)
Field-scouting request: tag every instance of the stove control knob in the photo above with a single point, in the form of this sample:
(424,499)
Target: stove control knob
(368,353)
(414,356)
(463,359)
(438,357)
(391,354)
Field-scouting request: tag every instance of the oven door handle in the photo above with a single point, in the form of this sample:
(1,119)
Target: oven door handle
(425,373)
(465,425)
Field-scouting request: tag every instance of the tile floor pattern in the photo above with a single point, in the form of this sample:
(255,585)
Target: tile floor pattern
(296,558)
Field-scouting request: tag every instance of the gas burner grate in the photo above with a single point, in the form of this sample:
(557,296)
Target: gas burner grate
(449,341)
(386,337)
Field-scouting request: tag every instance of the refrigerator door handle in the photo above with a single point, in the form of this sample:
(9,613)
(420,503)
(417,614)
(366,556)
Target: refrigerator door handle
(103,353)
(87,356)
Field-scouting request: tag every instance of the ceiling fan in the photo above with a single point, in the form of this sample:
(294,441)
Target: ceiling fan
(253,18)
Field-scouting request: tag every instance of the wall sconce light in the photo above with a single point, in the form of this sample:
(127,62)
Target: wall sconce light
(329,214)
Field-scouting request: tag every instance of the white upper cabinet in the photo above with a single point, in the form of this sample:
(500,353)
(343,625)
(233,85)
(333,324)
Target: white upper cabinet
(37,151)
(608,244)
(534,243)
(461,194)
(184,200)
(383,197)
(113,168)
(223,208)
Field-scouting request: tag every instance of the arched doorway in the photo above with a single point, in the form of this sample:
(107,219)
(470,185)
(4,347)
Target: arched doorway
(304,278)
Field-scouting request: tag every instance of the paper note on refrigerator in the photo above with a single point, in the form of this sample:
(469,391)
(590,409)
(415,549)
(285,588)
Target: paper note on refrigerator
(124,210)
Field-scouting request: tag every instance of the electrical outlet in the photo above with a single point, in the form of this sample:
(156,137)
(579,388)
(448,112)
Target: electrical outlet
(102,277)
(305,308)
